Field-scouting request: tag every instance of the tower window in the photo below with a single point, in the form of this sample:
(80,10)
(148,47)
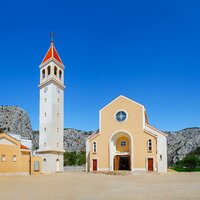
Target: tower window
(149,145)
(57,144)
(57,129)
(55,70)
(45,100)
(45,114)
(58,100)
(43,73)
(57,114)
(45,144)
(45,129)
(60,74)
(48,70)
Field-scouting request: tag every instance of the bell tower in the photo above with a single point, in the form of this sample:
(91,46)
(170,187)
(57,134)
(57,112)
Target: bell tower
(51,111)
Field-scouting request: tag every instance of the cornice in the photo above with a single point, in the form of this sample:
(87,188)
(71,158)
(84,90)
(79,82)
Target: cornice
(52,80)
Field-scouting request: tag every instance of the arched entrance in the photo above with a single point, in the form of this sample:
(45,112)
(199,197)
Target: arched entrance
(44,165)
(120,151)
(57,165)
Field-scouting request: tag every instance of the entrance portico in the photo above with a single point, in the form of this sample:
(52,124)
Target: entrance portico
(121,156)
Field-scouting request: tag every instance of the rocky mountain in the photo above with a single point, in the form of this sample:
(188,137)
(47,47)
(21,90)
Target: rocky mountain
(74,140)
(182,142)
(15,120)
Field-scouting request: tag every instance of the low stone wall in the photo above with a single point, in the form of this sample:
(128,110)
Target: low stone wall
(74,168)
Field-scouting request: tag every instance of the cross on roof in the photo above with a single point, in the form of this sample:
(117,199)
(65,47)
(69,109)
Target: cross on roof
(52,34)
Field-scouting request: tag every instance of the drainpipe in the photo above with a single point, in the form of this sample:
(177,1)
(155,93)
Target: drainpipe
(29,163)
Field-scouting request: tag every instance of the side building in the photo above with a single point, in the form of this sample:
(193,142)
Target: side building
(15,158)
(125,140)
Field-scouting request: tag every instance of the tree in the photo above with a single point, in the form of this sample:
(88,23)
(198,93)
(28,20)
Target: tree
(191,162)
(73,158)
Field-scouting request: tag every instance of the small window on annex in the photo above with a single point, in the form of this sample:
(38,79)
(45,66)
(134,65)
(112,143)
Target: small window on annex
(94,147)
(14,158)
(149,145)
(3,157)
(36,166)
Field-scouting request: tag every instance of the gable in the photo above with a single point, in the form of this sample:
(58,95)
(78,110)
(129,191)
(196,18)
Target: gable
(133,113)
(5,141)
(121,99)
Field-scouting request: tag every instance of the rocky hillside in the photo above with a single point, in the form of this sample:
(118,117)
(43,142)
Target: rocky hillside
(182,142)
(74,140)
(15,120)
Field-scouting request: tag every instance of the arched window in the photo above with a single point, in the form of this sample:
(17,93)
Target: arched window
(43,73)
(55,70)
(48,70)
(45,144)
(60,74)
(149,145)
(44,160)
(94,147)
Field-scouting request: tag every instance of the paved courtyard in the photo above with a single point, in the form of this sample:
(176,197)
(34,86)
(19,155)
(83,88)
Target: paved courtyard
(83,186)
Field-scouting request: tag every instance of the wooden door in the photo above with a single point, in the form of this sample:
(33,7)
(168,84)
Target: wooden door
(116,158)
(150,164)
(95,165)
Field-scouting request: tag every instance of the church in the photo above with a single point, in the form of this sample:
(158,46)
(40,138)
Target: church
(125,140)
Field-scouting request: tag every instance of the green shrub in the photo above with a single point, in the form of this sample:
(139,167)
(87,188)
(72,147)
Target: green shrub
(73,158)
(191,162)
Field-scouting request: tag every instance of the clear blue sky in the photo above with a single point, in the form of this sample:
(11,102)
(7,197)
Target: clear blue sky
(146,50)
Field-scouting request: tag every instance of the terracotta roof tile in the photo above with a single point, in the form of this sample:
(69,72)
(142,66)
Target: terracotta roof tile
(24,147)
(52,53)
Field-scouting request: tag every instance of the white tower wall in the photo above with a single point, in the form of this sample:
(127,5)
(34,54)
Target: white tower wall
(51,113)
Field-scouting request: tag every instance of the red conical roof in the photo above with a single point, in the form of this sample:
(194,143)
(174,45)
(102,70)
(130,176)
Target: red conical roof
(52,53)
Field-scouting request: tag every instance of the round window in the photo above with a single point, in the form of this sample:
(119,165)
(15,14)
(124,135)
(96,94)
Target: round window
(121,116)
(123,143)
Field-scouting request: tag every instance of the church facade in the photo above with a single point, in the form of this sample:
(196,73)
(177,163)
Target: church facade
(125,140)
(51,111)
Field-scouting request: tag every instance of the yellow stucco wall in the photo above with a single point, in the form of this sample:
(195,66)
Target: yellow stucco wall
(133,126)
(21,165)
(23,158)
(120,148)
